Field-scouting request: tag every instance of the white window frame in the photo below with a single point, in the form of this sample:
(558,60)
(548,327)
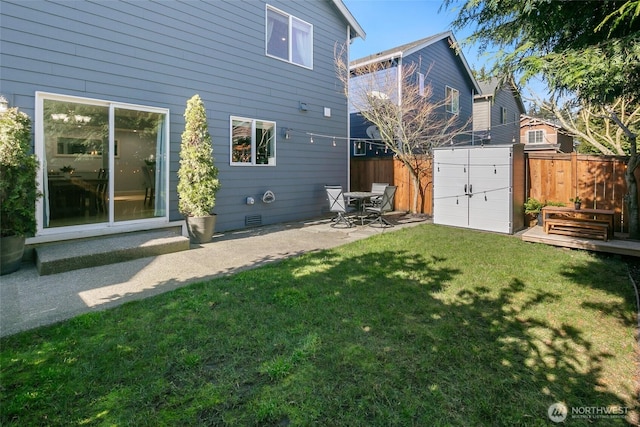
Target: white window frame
(452,98)
(39,148)
(503,115)
(292,22)
(421,90)
(535,132)
(253,162)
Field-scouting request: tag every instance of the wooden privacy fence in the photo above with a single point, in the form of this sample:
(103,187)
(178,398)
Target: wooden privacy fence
(365,171)
(550,177)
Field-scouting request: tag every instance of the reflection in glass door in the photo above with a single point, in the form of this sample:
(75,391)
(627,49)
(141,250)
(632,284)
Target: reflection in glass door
(101,163)
(75,163)
(138,190)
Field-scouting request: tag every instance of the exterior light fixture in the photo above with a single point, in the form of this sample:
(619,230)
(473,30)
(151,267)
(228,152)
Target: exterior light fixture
(4,104)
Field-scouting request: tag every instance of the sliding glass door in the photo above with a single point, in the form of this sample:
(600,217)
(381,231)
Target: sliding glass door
(102,163)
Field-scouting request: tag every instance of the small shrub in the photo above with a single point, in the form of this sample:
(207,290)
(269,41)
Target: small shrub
(18,169)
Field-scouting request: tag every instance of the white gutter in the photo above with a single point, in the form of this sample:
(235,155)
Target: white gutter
(393,55)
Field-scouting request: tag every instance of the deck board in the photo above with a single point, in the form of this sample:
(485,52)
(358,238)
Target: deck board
(618,245)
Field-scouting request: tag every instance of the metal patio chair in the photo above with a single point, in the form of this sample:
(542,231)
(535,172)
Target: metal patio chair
(386,205)
(338,205)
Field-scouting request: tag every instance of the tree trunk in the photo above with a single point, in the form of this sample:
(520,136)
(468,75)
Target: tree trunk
(632,192)
(415,180)
(415,183)
(630,179)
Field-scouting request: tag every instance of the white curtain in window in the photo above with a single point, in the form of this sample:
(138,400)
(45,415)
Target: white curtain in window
(269,26)
(45,192)
(277,34)
(160,184)
(302,47)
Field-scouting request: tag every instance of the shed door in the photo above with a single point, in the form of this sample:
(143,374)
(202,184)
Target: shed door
(490,189)
(450,187)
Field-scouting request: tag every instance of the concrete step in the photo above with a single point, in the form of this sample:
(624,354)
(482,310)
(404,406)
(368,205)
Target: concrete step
(73,255)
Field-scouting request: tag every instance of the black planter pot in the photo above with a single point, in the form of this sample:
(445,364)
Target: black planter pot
(201,228)
(11,251)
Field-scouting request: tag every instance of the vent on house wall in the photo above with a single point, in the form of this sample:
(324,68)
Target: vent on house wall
(253,220)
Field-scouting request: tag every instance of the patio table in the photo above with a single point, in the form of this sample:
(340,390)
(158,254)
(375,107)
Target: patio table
(360,197)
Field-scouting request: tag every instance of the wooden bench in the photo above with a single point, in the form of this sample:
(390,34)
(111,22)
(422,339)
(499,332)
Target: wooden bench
(589,228)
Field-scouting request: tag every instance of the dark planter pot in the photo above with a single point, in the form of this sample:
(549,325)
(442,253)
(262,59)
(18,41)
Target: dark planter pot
(201,228)
(540,219)
(577,206)
(11,251)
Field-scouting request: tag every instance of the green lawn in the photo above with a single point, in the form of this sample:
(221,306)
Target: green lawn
(424,326)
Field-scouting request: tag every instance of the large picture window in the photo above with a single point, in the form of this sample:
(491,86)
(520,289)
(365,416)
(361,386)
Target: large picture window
(452,97)
(289,38)
(253,142)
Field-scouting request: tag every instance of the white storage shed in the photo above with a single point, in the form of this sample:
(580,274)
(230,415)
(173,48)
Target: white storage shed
(479,187)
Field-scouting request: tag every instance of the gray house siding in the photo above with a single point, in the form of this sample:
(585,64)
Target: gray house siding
(159,54)
(487,115)
(441,67)
(510,131)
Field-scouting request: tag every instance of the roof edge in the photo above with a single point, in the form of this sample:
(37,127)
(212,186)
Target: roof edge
(357,29)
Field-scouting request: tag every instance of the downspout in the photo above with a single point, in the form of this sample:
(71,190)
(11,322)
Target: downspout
(348,108)
(399,85)
(473,132)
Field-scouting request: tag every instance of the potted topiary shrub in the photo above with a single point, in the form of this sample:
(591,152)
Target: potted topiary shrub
(197,175)
(18,188)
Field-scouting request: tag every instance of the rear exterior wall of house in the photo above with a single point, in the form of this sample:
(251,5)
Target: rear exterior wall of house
(159,54)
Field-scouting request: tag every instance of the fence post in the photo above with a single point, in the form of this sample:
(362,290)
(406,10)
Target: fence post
(574,174)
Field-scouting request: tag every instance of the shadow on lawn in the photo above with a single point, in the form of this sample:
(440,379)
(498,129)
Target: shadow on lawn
(606,274)
(322,339)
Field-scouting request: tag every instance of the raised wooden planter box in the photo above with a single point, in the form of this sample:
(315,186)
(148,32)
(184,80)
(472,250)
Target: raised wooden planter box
(591,229)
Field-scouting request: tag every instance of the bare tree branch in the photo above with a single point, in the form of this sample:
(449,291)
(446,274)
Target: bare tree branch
(410,120)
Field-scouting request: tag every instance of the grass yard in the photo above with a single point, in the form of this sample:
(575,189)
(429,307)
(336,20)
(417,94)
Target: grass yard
(425,326)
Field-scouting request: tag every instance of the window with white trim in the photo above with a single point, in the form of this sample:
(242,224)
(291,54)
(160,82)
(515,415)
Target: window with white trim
(421,84)
(289,38)
(253,142)
(452,97)
(535,136)
(503,115)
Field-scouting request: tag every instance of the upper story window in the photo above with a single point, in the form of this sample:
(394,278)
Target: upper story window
(535,137)
(452,97)
(253,142)
(503,115)
(289,38)
(421,84)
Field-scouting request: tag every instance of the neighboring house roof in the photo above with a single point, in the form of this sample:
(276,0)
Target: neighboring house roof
(356,29)
(489,87)
(533,121)
(409,48)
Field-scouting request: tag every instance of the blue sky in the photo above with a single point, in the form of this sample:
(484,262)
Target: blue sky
(391,23)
